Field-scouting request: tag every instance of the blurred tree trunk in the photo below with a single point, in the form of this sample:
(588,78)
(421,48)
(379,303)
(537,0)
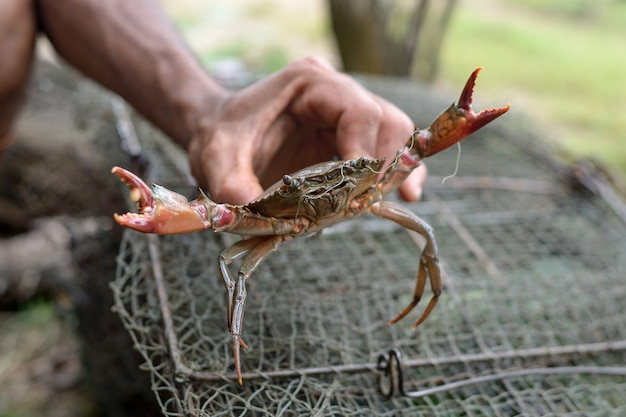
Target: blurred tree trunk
(400,38)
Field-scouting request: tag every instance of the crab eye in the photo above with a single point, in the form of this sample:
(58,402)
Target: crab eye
(290,183)
(360,163)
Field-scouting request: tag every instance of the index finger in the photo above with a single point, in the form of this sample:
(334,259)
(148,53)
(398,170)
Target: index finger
(357,131)
(333,100)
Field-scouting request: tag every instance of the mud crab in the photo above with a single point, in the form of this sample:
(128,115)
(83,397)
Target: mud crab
(306,202)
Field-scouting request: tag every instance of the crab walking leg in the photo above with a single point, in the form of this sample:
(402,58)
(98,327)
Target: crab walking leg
(254,250)
(230,254)
(429,259)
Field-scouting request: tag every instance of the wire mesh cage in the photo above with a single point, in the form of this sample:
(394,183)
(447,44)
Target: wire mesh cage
(531,321)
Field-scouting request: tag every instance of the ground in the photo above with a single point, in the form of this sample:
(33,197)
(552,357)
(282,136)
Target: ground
(40,370)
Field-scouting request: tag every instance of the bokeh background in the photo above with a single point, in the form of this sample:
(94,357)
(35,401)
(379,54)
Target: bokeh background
(560,63)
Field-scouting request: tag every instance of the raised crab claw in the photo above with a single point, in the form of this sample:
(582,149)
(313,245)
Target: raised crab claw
(305,202)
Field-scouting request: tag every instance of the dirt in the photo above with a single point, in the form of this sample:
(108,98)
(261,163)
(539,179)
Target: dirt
(63,352)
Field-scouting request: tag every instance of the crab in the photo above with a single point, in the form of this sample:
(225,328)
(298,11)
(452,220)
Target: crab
(306,202)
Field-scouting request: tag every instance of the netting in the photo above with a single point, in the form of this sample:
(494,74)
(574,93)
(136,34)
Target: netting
(531,321)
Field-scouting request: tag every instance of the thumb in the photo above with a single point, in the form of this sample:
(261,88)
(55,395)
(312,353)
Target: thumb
(225,171)
(240,187)
(411,189)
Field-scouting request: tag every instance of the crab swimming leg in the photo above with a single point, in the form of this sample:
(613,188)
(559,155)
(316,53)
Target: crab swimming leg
(429,259)
(254,251)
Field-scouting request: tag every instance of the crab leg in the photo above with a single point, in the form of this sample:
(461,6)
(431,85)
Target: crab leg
(164,212)
(269,222)
(429,259)
(230,254)
(450,127)
(254,251)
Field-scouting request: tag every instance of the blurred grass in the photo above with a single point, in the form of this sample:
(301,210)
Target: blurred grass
(39,365)
(265,35)
(563,62)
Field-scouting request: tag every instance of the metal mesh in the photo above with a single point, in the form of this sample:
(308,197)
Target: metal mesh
(533,271)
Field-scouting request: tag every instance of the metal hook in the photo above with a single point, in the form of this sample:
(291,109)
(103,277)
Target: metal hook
(390,365)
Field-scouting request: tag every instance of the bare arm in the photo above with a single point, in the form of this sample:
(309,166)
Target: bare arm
(18,30)
(133,49)
(238,142)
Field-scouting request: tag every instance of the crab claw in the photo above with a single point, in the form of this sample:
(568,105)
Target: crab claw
(160,210)
(456,123)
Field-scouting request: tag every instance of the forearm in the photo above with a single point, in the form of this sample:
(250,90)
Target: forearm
(17,40)
(130,47)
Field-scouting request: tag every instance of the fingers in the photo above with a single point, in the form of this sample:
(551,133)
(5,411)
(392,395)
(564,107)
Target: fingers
(411,189)
(364,124)
(235,141)
(222,167)
(302,115)
(240,188)
(379,131)
(328,99)
(394,132)
(351,111)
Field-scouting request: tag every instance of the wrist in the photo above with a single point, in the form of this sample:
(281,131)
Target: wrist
(196,97)
(186,93)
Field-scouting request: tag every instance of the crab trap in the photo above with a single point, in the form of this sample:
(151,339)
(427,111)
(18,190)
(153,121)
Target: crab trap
(531,321)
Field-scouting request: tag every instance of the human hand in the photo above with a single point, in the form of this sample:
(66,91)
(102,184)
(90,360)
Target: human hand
(305,114)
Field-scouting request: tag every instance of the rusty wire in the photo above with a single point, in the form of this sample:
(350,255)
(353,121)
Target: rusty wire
(531,321)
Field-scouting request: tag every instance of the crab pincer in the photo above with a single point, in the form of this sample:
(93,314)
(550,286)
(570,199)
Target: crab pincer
(306,202)
(161,211)
(456,123)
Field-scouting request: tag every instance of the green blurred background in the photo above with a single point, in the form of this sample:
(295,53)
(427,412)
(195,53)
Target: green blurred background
(562,63)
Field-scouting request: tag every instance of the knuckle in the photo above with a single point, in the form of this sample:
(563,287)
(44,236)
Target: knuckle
(310,67)
(224,191)
(371,110)
(313,63)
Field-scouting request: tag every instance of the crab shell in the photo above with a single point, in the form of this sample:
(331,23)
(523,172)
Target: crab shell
(306,202)
(318,191)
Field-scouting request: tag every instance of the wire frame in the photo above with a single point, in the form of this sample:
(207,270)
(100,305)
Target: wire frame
(531,321)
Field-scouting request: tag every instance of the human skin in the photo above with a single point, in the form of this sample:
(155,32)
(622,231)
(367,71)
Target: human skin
(239,142)
(17,42)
